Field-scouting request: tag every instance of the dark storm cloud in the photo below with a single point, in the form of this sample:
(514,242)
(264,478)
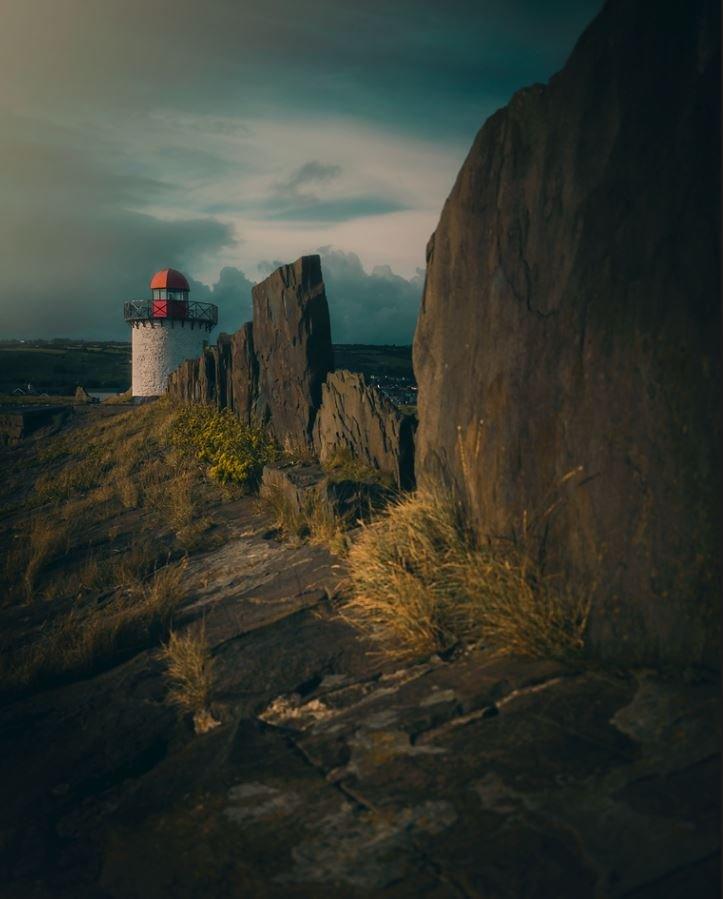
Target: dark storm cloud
(232,294)
(424,66)
(377,307)
(72,248)
(137,134)
(380,307)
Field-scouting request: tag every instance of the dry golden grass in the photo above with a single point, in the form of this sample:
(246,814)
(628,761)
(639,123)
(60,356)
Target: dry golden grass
(343,465)
(44,540)
(82,639)
(119,399)
(179,501)
(189,669)
(422,582)
(85,493)
(315,520)
(128,491)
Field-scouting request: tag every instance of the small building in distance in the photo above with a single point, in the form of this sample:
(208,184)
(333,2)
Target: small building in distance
(165,330)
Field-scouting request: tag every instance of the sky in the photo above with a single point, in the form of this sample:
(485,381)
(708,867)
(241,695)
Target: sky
(224,137)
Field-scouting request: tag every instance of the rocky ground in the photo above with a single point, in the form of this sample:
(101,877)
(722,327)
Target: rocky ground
(336,773)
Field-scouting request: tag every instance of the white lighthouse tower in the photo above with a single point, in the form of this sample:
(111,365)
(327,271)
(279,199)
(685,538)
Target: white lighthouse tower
(165,330)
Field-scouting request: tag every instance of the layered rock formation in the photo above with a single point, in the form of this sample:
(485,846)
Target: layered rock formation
(244,379)
(567,346)
(356,417)
(292,342)
(273,371)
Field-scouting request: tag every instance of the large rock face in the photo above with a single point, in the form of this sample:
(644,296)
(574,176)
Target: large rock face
(356,417)
(183,382)
(292,341)
(244,380)
(567,346)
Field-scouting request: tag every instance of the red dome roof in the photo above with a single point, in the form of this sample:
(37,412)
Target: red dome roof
(169,277)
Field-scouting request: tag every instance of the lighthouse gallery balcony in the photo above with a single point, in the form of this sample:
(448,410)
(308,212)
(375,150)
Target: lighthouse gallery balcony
(164,309)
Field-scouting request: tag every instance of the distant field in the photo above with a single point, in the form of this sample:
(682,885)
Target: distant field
(59,367)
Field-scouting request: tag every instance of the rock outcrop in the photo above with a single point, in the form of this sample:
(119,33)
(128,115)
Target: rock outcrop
(244,380)
(183,382)
(207,374)
(292,342)
(567,349)
(224,381)
(277,371)
(357,417)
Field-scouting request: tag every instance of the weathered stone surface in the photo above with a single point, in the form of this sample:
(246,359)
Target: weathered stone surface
(335,773)
(292,341)
(305,488)
(183,382)
(244,381)
(357,417)
(224,385)
(207,373)
(570,323)
(299,485)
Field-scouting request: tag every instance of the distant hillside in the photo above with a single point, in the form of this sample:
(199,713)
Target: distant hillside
(58,366)
(375,360)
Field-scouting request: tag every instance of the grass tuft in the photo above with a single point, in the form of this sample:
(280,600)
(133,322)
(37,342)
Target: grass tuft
(343,465)
(190,672)
(315,519)
(423,582)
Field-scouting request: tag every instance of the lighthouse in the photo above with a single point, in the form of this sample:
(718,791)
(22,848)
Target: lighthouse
(165,330)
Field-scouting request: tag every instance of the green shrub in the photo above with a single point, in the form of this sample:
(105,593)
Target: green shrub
(235,453)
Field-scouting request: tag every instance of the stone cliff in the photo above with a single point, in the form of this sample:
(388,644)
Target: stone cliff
(567,346)
(292,340)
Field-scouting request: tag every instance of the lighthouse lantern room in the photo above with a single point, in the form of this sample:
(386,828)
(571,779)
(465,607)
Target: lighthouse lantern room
(165,330)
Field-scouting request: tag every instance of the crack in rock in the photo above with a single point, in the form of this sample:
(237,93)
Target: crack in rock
(366,849)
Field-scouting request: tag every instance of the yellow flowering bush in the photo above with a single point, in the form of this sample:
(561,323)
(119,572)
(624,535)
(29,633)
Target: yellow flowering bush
(234,452)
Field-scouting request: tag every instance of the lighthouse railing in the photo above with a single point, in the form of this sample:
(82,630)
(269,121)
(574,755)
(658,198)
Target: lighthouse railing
(149,310)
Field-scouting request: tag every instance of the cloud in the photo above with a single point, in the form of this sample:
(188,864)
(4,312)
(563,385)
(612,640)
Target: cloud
(297,198)
(72,246)
(343,209)
(232,294)
(113,165)
(380,307)
(312,172)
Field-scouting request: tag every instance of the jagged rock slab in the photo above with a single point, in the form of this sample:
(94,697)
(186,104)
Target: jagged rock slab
(292,341)
(567,350)
(357,417)
(244,380)
(304,488)
(183,382)
(207,373)
(224,379)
